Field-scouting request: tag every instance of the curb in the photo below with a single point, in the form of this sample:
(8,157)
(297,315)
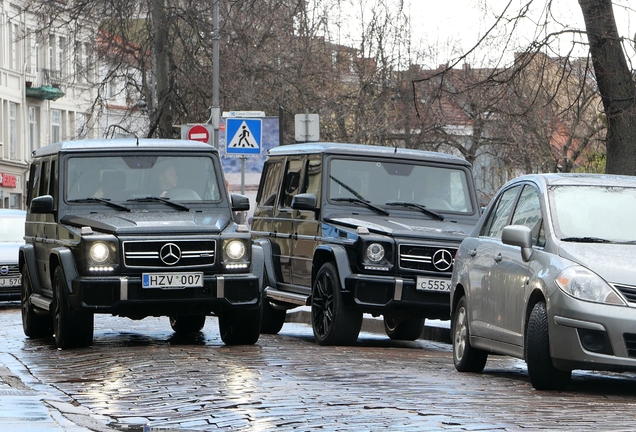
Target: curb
(376,325)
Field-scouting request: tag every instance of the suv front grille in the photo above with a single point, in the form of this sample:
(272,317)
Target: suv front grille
(427,258)
(169,253)
(9,270)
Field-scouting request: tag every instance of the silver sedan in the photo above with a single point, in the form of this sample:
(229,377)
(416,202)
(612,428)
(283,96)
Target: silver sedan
(549,276)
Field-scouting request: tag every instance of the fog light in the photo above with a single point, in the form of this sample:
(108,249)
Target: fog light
(595,341)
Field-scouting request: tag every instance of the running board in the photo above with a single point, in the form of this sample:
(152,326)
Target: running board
(293,298)
(41,302)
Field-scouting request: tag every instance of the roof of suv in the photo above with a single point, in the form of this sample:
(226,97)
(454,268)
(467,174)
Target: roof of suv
(122,144)
(361,149)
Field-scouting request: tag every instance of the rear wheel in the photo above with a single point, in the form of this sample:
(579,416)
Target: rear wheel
(34,325)
(240,327)
(187,323)
(407,330)
(465,357)
(72,329)
(543,374)
(332,321)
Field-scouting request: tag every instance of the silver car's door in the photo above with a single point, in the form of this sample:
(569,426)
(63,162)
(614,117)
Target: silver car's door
(485,256)
(511,275)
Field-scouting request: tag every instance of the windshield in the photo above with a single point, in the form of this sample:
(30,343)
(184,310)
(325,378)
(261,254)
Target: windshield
(436,188)
(123,178)
(12,229)
(594,212)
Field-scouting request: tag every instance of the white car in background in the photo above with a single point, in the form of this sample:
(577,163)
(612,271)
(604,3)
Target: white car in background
(11,238)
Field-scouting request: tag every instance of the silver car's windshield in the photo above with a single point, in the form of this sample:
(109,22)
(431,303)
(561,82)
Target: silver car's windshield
(595,213)
(381,183)
(11,229)
(126,178)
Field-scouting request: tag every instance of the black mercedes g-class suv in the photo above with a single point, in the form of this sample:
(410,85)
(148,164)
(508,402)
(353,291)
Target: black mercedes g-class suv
(350,229)
(135,228)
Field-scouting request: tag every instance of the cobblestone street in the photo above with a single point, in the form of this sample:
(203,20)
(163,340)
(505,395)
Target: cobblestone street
(137,374)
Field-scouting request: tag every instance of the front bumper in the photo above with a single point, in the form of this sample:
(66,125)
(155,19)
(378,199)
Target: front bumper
(124,295)
(388,295)
(592,336)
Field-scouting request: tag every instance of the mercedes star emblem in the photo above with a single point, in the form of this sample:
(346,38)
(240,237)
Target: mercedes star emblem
(442,260)
(170,254)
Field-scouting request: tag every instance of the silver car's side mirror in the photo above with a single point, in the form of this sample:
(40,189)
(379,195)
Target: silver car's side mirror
(518,235)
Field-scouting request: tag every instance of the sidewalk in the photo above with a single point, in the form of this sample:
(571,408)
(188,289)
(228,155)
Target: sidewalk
(28,404)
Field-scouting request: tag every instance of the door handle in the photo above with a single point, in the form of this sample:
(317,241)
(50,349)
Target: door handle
(498,258)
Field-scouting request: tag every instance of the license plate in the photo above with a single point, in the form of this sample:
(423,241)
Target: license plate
(432,284)
(10,282)
(172,280)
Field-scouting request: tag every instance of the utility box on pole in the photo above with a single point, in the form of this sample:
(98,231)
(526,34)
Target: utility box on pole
(307,127)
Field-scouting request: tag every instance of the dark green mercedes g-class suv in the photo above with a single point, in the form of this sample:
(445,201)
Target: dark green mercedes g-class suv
(135,228)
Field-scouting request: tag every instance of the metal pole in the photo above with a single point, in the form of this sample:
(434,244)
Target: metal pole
(216,109)
(306,124)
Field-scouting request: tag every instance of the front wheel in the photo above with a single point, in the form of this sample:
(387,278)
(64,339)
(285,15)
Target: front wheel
(187,323)
(240,327)
(332,321)
(72,329)
(273,319)
(34,325)
(543,374)
(406,330)
(465,357)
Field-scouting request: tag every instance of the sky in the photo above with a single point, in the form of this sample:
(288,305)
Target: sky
(444,29)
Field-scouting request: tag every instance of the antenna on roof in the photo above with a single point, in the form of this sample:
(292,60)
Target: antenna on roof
(395,150)
(111,130)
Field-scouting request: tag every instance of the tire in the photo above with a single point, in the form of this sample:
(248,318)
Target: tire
(407,330)
(543,374)
(240,327)
(273,319)
(332,321)
(465,357)
(34,325)
(72,329)
(187,323)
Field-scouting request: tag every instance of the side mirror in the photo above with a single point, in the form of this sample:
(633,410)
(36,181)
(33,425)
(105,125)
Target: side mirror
(240,202)
(42,204)
(304,201)
(518,235)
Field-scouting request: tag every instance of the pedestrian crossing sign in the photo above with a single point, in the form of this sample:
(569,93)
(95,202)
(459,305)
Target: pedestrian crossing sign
(243,136)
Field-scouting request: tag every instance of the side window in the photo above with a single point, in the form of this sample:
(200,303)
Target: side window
(313,176)
(291,182)
(34,182)
(53,181)
(528,213)
(44,179)
(270,180)
(498,219)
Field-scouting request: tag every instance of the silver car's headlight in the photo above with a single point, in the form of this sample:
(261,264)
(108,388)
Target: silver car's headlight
(583,284)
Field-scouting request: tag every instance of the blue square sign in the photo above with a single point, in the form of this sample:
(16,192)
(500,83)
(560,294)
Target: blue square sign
(243,136)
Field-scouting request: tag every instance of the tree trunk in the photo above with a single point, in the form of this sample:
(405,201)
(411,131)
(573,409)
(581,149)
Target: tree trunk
(614,83)
(163,114)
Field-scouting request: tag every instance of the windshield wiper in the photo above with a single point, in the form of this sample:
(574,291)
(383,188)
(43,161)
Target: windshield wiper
(103,201)
(420,207)
(348,188)
(364,203)
(163,200)
(586,240)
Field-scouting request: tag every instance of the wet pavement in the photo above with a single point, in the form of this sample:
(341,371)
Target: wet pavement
(139,377)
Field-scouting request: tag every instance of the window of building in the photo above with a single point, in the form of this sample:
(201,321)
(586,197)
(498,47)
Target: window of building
(14,60)
(15,201)
(13,131)
(56,126)
(33,129)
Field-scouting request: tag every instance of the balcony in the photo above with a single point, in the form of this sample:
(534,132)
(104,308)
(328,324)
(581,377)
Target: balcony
(44,84)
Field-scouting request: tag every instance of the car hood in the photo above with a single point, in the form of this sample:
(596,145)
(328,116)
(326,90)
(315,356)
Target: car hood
(613,262)
(151,222)
(9,252)
(407,227)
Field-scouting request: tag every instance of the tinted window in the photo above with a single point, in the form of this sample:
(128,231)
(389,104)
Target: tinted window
(291,182)
(270,179)
(499,217)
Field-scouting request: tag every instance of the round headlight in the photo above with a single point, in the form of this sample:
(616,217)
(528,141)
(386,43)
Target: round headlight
(375,252)
(99,252)
(235,249)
